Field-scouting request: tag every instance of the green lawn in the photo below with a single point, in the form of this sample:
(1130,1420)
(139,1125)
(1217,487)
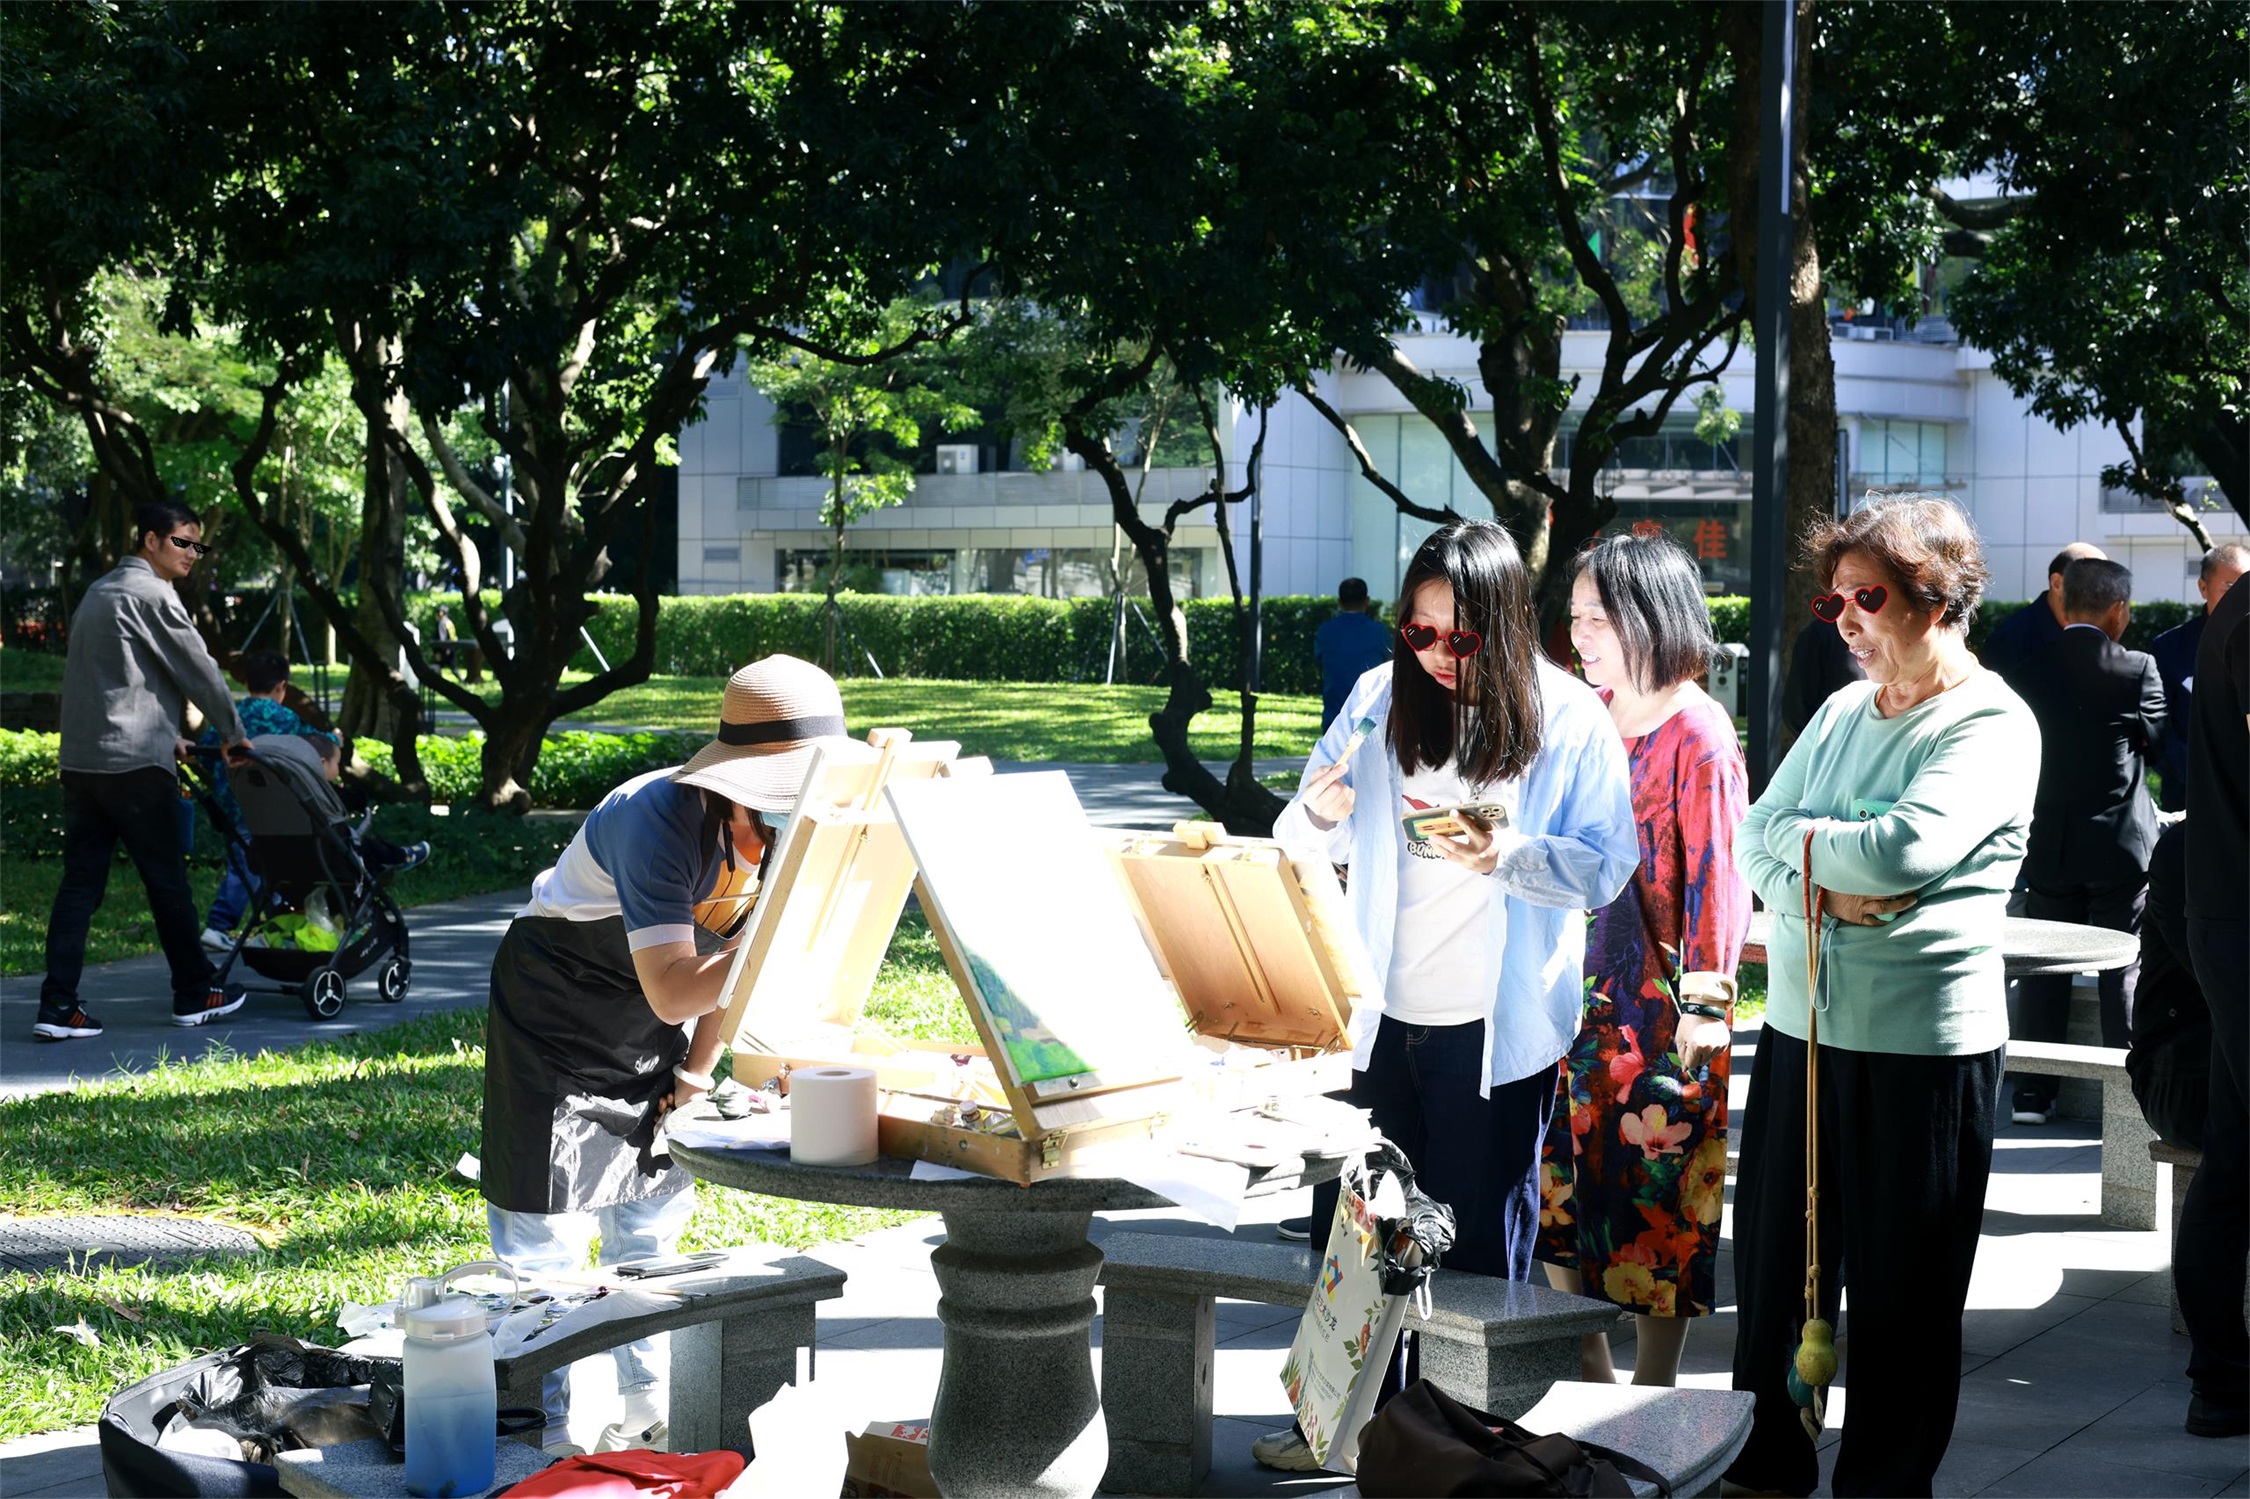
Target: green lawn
(1007,720)
(338,1157)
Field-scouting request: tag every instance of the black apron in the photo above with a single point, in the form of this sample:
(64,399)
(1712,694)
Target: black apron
(574,1063)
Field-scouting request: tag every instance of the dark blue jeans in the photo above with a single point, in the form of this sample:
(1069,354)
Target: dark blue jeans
(1477,1154)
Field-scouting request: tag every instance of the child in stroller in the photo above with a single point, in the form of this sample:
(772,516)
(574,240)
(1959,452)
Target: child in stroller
(308,854)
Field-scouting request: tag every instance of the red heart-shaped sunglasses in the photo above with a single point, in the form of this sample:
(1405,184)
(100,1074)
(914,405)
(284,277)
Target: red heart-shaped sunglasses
(1830,606)
(1463,643)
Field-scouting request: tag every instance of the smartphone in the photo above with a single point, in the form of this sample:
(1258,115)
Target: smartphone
(683,1265)
(1445,822)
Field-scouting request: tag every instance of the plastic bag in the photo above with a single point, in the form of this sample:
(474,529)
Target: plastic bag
(1417,1229)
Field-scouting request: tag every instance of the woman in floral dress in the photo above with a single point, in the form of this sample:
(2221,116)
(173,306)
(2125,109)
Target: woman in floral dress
(1634,1169)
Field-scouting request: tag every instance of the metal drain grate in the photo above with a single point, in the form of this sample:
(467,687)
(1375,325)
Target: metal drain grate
(37,1245)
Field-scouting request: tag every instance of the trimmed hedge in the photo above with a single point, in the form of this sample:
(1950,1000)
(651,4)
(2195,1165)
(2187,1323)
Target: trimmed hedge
(1013,638)
(574,769)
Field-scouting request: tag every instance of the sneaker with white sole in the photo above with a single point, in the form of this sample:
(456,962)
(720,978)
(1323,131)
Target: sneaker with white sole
(1285,1450)
(617,1437)
(1295,1230)
(215,940)
(2029,1111)
(216,1003)
(72,1025)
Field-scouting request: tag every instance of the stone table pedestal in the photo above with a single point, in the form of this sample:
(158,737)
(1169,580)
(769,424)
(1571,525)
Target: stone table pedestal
(1018,1413)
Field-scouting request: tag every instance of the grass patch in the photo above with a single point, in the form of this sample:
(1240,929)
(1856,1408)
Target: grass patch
(469,856)
(338,1156)
(1082,722)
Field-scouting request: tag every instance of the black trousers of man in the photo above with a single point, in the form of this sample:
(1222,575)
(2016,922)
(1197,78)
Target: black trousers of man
(141,809)
(1905,1156)
(2207,1256)
(2043,1001)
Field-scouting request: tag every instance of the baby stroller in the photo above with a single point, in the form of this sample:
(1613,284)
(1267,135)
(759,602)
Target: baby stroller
(304,849)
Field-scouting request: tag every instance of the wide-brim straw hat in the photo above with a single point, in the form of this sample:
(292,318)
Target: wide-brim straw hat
(777,712)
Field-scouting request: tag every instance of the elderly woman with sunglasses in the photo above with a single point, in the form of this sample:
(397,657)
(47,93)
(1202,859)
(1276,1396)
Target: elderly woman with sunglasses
(1477,936)
(1908,797)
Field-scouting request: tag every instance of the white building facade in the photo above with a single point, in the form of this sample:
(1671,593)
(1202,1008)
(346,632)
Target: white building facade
(1913,410)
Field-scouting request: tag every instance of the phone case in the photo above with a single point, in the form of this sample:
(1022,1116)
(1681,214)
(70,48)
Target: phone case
(1445,822)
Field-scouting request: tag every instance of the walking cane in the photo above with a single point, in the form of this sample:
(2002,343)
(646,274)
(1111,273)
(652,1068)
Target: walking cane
(1812,1368)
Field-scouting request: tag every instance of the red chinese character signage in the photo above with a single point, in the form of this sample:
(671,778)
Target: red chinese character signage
(1710,540)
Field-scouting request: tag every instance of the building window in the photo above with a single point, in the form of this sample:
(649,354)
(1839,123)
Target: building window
(1902,454)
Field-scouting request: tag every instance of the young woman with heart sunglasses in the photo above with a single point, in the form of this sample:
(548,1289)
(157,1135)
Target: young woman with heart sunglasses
(1477,939)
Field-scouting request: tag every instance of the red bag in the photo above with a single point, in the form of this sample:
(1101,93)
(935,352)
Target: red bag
(635,1474)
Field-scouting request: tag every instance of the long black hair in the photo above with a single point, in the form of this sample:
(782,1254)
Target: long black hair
(1652,592)
(1491,731)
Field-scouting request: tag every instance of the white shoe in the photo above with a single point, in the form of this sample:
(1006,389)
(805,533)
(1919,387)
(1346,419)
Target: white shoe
(1286,1450)
(215,940)
(2025,1114)
(618,1437)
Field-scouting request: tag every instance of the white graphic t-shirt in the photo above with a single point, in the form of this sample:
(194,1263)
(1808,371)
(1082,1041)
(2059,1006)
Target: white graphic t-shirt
(1438,972)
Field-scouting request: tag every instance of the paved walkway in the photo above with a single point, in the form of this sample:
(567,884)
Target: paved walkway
(452,948)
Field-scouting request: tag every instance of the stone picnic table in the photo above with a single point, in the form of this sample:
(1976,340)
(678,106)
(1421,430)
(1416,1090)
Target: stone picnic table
(1017,1412)
(2027,947)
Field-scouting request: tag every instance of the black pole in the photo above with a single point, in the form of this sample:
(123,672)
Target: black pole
(1769,491)
(1257,683)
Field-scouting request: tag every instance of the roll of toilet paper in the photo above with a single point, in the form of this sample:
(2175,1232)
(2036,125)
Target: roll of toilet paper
(832,1116)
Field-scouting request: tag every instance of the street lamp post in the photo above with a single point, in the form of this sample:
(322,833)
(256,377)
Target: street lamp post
(1769,492)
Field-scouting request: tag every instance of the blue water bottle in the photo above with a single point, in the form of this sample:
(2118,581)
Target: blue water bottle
(452,1400)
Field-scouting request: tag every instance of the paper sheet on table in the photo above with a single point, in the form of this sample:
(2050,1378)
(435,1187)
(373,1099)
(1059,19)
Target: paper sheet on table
(931,1171)
(529,1328)
(1205,1190)
(757,1132)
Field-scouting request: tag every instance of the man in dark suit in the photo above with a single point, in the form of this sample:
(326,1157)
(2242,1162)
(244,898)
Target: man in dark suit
(2174,651)
(2101,712)
(2026,639)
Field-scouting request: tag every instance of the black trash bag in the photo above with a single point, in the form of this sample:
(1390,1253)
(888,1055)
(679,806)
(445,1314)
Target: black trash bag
(273,1393)
(1414,1241)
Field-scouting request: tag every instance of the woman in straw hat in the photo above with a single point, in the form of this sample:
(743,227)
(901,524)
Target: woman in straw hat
(623,943)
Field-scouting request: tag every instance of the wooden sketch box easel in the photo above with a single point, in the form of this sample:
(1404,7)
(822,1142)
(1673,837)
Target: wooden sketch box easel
(1090,964)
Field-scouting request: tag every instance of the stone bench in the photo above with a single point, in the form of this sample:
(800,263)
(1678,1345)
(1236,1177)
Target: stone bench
(2183,1163)
(735,1332)
(1497,1345)
(1689,1435)
(2131,1179)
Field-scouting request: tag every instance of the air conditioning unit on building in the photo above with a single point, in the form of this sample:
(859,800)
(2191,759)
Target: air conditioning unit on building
(957,458)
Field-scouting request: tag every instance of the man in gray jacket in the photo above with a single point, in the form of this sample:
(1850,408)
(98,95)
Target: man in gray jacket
(135,661)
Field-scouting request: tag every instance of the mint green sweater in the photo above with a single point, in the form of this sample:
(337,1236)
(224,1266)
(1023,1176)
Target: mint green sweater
(1935,801)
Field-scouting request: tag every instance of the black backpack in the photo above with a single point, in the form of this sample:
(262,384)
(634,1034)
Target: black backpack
(1424,1442)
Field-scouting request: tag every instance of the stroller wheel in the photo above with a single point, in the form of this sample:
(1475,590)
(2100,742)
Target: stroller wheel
(392,981)
(324,994)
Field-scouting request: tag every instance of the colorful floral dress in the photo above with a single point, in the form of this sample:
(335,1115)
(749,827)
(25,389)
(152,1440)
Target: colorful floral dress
(1633,1173)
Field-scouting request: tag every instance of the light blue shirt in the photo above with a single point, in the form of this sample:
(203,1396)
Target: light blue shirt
(1569,848)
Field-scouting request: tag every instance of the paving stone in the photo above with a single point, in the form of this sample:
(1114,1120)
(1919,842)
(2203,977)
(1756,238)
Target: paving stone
(1971,1467)
(1996,1331)
(39,1245)
(2147,1431)
(2052,1473)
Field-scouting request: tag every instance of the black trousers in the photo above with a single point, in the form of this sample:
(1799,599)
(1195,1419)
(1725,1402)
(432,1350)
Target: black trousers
(2043,1002)
(1905,1154)
(2207,1257)
(141,808)
(1476,1153)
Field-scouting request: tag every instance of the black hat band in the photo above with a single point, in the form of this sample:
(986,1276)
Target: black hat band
(781,730)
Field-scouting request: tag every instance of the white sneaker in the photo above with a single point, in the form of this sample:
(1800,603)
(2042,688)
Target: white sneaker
(215,940)
(2028,1114)
(1286,1450)
(618,1437)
